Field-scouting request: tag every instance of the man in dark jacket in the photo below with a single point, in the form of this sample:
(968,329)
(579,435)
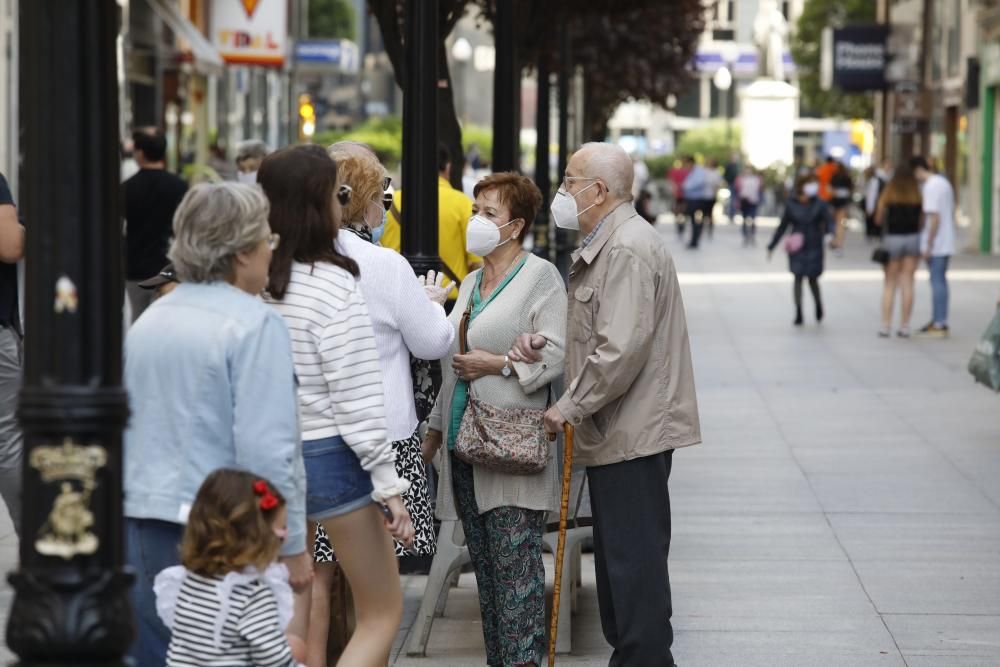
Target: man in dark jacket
(151,197)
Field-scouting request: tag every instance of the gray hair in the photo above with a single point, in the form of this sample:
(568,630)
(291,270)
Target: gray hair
(214,222)
(251,148)
(611,164)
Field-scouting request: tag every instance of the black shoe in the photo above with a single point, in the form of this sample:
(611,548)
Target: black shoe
(819,312)
(798,319)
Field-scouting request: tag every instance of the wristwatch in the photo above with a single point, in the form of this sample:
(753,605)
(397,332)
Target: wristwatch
(505,371)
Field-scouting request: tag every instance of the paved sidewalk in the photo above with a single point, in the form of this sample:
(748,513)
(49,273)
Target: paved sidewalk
(844,509)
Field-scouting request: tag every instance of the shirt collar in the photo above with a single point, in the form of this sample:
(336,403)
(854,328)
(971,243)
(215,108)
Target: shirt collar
(594,242)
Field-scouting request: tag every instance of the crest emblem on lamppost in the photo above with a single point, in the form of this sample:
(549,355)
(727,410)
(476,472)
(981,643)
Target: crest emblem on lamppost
(67,530)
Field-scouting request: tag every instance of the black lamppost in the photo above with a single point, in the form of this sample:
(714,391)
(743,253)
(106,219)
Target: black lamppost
(71,604)
(506,90)
(543,178)
(420,137)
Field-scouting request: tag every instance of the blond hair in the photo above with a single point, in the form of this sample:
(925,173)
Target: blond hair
(358,167)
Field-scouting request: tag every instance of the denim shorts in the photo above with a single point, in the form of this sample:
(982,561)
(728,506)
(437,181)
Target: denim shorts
(336,484)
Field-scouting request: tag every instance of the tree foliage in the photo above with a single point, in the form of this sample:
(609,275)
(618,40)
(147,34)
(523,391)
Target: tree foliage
(626,49)
(331,19)
(805,45)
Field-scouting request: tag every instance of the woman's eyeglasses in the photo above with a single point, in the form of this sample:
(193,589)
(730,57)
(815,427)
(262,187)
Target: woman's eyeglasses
(344,194)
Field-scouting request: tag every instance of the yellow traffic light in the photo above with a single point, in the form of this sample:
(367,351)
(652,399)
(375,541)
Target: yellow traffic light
(307,116)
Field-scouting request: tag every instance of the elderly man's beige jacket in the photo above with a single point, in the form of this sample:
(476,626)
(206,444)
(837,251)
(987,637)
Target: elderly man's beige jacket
(630,383)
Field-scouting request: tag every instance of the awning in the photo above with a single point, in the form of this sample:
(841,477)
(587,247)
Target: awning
(205,57)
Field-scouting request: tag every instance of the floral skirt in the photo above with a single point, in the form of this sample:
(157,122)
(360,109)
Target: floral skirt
(505,545)
(409,465)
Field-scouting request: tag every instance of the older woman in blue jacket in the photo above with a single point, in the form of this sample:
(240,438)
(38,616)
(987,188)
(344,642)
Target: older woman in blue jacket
(211,385)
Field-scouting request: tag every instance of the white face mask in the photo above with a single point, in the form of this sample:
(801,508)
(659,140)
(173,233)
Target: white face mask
(482,236)
(564,210)
(810,189)
(248,177)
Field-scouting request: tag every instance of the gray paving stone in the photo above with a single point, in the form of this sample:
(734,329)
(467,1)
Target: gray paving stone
(922,587)
(939,490)
(929,538)
(946,637)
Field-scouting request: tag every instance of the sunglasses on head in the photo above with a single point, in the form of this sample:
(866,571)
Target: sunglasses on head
(344,194)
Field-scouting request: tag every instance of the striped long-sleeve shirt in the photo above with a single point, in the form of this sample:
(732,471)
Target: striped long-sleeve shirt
(337,364)
(251,634)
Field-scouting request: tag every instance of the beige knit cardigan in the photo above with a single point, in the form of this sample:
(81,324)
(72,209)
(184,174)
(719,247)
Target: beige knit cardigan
(534,301)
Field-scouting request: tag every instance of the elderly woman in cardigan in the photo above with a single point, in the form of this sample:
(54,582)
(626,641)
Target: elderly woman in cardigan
(503,515)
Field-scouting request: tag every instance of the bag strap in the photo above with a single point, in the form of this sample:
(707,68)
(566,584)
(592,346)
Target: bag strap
(444,267)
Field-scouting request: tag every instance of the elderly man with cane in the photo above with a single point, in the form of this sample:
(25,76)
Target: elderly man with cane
(630,396)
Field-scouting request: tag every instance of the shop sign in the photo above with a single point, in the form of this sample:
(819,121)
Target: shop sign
(250,32)
(860,57)
(339,54)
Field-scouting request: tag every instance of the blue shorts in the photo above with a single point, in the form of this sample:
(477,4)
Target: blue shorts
(336,484)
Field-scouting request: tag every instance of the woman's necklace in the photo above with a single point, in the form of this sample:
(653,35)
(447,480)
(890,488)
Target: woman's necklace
(499,280)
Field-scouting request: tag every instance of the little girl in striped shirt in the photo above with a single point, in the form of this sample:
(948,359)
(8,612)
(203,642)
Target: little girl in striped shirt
(229,603)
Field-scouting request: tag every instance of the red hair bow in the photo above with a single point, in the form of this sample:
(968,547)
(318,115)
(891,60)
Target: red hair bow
(268,501)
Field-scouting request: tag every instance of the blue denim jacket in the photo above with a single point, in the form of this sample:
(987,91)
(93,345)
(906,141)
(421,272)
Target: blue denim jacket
(211,384)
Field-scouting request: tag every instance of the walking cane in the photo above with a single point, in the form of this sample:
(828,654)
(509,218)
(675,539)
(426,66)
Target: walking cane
(561,544)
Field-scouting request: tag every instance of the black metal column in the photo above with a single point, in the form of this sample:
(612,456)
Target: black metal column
(562,241)
(543,176)
(71,605)
(506,97)
(420,137)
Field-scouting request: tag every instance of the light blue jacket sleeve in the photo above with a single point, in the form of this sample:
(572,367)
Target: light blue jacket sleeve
(266,419)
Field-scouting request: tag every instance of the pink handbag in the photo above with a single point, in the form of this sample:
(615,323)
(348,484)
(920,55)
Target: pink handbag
(794,242)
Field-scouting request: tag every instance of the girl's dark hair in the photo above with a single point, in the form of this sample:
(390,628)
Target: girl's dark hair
(300,183)
(228,528)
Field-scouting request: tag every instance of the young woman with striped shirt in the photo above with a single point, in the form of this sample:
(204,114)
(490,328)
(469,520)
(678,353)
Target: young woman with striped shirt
(350,464)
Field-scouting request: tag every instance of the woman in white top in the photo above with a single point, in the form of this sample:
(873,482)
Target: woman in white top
(406,319)
(350,464)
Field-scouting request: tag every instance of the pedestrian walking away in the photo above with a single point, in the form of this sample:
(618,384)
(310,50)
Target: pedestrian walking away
(899,214)
(229,602)
(630,395)
(349,460)
(937,241)
(151,197)
(841,186)
(11,442)
(699,193)
(211,385)
(502,512)
(806,220)
(749,186)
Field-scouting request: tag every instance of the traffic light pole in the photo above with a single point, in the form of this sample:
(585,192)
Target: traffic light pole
(71,602)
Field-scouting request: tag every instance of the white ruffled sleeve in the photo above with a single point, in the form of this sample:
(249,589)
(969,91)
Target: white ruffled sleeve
(276,578)
(167,587)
